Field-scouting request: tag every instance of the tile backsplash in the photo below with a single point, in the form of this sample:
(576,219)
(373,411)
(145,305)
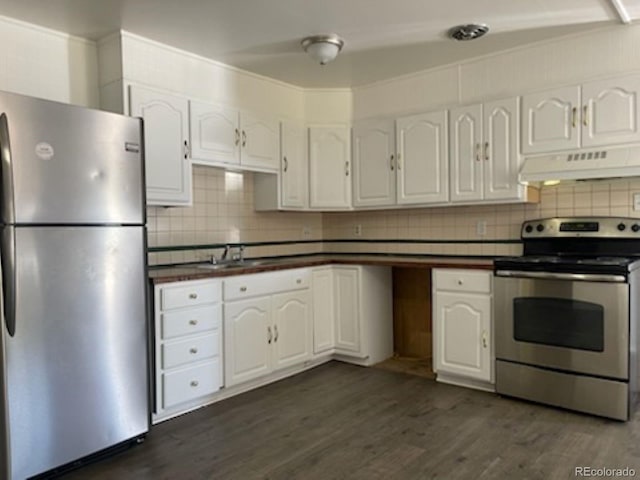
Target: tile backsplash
(223,211)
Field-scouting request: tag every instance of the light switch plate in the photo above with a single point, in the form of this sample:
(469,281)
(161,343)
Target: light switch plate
(481,228)
(636,201)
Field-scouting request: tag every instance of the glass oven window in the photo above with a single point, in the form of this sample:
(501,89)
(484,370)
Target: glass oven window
(559,322)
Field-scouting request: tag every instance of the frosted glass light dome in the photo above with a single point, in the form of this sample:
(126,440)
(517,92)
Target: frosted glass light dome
(323,48)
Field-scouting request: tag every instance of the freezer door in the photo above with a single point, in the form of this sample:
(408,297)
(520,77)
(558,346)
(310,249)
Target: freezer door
(63,164)
(76,366)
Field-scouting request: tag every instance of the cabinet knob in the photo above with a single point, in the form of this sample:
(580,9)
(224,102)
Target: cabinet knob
(194,383)
(193,351)
(193,296)
(193,322)
(460,282)
(243,289)
(299,281)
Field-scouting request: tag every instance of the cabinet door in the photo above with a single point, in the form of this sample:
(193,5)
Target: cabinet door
(466,153)
(550,120)
(248,336)
(462,332)
(329,167)
(294,179)
(501,151)
(215,135)
(292,343)
(423,161)
(610,112)
(260,140)
(374,176)
(347,309)
(323,311)
(167,164)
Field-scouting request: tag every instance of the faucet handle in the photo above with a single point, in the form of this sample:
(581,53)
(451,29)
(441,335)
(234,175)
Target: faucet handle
(213,259)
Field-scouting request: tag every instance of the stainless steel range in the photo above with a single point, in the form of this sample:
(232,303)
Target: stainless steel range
(566,315)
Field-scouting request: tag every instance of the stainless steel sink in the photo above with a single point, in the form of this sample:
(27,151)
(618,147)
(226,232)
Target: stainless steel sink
(230,265)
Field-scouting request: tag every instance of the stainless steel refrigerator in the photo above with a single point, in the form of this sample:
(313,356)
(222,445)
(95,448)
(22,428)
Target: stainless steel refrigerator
(73,350)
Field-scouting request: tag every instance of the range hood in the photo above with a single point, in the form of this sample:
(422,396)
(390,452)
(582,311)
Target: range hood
(582,165)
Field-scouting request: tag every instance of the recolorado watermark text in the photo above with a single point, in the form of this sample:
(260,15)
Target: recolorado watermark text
(626,472)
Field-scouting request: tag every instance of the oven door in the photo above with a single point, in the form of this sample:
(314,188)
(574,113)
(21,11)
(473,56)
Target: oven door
(566,324)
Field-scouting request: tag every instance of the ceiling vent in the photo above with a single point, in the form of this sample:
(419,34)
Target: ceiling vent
(468,32)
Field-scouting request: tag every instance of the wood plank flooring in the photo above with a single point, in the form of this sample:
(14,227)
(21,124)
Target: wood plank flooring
(340,421)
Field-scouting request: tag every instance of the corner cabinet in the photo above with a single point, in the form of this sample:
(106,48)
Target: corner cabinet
(330,167)
(188,346)
(353,313)
(594,114)
(462,327)
(485,152)
(267,322)
(167,162)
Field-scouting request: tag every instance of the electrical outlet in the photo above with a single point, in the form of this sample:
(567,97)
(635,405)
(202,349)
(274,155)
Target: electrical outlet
(306,231)
(481,228)
(636,201)
(357,230)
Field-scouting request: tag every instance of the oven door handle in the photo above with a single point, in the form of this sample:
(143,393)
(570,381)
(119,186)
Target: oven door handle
(581,277)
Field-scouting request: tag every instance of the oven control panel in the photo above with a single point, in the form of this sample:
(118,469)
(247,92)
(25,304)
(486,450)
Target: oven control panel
(598,227)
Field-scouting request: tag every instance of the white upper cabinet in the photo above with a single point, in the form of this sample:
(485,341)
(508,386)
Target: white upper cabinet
(215,135)
(260,140)
(550,120)
(485,158)
(223,135)
(329,167)
(593,114)
(167,163)
(374,177)
(501,149)
(294,178)
(466,153)
(422,159)
(610,112)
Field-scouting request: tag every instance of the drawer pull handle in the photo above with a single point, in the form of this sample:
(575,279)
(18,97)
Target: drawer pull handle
(193,322)
(485,342)
(460,282)
(194,383)
(299,281)
(193,296)
(243,289)
(275,329)
(269,337)
(193,351)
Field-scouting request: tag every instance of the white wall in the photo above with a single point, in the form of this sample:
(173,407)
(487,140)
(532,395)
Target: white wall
(328,106)
(605,52)
(157,65)
(47,64)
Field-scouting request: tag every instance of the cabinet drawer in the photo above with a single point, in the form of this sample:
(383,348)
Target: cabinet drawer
(266,283)
(456,280)
(190,383)
(189,321)
(186,294)
(191,350)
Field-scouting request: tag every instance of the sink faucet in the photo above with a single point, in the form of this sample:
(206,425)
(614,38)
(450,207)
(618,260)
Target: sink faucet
(225,254)
(239,255)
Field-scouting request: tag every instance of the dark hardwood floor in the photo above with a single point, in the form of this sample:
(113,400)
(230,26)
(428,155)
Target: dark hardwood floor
(339,421)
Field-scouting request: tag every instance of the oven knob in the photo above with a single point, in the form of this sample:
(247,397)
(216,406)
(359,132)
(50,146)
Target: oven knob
(528,228)
(635,227)
(621,227)
(540,227)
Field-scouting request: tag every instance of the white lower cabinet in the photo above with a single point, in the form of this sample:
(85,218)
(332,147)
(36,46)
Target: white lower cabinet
(462,327)
(267,321)
(188,346)
(353,313)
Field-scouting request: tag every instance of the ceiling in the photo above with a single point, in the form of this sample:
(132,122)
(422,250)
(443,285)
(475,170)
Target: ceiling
(383,38)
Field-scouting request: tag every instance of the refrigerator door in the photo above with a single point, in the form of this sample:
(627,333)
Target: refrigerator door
(63,164)
(76,366)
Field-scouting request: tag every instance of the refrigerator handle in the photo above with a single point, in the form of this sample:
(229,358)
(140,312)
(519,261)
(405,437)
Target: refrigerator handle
(6,169)
(8,258)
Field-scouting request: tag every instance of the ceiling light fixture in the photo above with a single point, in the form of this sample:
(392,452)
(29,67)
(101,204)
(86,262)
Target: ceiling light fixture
(323,48)
(467,32)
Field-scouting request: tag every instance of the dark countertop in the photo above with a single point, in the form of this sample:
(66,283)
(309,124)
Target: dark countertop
(192,272)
